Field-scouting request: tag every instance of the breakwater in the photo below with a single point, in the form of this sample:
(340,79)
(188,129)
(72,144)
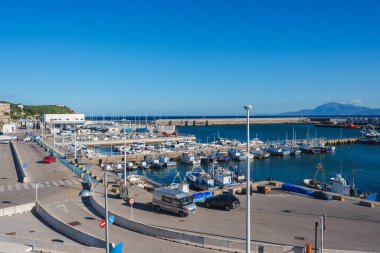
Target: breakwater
(230,121)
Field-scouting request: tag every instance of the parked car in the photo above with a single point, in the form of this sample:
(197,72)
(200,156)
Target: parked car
(225,201)
(49,159)
(174,201)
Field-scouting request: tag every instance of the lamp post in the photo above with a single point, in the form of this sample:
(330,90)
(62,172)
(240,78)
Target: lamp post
(125,159)
(87,193)
(248,190)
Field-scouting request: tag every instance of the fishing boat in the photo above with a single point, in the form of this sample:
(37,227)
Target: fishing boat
(143,165)
(313,183)
(369,135)
(245,156)
(277,150)
(189,158)
(340,185)
(220,175)
(237,174)
(308,148)
(166,161)
(234,154)
(199,180)
(260,153)
(154,162)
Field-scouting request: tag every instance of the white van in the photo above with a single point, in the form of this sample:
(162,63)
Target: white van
(174,201)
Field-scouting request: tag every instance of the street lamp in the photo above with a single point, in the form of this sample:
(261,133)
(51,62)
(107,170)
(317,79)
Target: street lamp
(248,190)
(125,159)
(87,193)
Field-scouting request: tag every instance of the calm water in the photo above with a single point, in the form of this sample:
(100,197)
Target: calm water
(365,158)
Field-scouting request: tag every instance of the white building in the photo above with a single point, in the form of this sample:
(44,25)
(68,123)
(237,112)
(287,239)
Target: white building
(63,121)
(64,118)
(165,129)
(9,128)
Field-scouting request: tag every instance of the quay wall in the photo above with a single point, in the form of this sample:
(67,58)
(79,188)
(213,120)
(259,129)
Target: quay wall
(130,141)
(228,121)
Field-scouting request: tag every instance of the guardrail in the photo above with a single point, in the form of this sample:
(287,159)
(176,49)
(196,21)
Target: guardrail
(18,164)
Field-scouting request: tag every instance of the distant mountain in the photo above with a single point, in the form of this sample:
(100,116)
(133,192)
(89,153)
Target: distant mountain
(333,108)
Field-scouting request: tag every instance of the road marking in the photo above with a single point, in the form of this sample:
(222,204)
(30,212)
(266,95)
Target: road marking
(62,207)
(18,187)
(61,182)
(48,184)
(40,185)
(76,181)
(68,182)
(26,186)
(55,183)
(9,187)
(1,188)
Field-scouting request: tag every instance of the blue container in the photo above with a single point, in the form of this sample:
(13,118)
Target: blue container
(201,196)
(296,189)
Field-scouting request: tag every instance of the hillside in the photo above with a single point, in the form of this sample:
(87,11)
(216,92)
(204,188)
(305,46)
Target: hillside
(36,110)
(336,109)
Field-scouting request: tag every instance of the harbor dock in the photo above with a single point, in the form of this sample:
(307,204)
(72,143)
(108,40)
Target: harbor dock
(230,121)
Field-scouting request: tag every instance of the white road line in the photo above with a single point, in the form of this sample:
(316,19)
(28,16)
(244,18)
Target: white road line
(18,187)
(68,182)
(41,185)
(10,187)
(55,183)
(1,188)
(47,184)
(61,182)
(76,181)
(26,186)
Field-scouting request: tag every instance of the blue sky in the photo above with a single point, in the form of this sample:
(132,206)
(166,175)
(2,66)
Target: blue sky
(189,57)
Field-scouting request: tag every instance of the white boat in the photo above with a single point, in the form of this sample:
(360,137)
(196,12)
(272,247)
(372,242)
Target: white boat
(166,161)
(340,185)
(234,153)
(189,158)
(220,175)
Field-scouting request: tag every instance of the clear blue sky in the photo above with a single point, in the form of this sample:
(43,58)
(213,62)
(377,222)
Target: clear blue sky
(189,57)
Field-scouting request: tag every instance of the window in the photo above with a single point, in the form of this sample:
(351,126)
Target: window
(166,200)
(176,202)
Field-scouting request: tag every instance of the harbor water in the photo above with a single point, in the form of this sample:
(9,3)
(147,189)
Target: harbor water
(365,158)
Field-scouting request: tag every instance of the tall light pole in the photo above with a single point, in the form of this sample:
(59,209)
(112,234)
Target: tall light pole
(75,147)
(125,159)
(248,190)
(106,216)
(87,193)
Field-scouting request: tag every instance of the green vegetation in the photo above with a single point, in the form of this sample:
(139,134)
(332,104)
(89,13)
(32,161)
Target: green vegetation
(31,111)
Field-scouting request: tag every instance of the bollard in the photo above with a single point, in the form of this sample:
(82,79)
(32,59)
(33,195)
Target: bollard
(308,247)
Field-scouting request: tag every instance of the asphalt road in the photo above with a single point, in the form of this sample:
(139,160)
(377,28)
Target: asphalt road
(62,200)
(11,191)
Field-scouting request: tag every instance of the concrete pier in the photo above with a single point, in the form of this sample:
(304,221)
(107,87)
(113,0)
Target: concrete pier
(229,121)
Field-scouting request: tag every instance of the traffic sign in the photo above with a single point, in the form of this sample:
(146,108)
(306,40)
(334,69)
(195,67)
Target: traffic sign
(111,219)
(25,166)
(131,201)
(102,223)
(88,166)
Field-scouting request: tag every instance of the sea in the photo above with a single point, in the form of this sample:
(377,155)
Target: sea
(364,158)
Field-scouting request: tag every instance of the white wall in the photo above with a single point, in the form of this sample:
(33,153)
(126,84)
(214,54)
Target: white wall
(50,118)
